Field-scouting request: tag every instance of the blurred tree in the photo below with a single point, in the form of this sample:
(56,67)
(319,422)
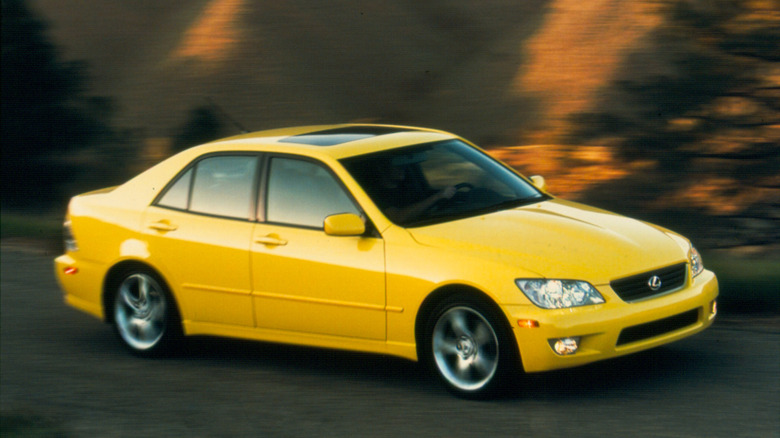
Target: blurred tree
(203,125)
(701,100)
(702,73)
(45,112)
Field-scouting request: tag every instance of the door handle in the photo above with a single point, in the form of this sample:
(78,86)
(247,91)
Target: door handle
(272,240)
(163,226)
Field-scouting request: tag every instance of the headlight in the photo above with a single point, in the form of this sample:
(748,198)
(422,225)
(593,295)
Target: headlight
(559,294)
(695,259)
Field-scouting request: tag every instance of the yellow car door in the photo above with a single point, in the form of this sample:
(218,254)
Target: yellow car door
(199,230)
(304,280)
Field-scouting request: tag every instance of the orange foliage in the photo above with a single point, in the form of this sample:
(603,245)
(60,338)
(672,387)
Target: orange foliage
(568,170)
(213,33)
(569,62)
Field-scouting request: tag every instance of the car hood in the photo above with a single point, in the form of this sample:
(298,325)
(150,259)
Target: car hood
(560,239)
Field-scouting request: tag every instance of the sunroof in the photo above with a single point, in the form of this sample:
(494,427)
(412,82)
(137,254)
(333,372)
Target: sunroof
(332,137)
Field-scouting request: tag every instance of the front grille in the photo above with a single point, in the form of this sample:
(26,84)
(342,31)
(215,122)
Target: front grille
(657,328)
(636,287)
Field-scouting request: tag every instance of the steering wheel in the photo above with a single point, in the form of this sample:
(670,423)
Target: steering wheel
(461,196)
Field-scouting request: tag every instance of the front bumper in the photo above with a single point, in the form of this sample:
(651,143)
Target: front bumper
(599,327)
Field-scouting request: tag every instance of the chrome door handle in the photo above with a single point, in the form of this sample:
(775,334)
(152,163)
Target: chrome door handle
(163,226)
(271,240)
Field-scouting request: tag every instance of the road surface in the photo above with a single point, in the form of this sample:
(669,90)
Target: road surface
(68,369)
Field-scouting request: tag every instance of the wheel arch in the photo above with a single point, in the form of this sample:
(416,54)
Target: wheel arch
(443,293)
(114,275)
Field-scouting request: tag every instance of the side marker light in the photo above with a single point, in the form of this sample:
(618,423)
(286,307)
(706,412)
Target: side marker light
(71,270)
(527,323)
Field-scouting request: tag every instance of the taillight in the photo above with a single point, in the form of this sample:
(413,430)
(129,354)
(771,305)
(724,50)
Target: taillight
(68,238)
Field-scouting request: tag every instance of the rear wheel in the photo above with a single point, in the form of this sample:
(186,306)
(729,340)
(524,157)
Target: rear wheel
(468,347)
(145,316)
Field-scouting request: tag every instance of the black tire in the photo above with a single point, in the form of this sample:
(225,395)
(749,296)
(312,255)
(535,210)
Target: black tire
(144,314)
(469,347)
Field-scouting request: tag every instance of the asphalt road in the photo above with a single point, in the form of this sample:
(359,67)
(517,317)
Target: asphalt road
(66,367)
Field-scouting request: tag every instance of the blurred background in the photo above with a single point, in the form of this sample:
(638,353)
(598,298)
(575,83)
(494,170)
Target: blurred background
(666,110)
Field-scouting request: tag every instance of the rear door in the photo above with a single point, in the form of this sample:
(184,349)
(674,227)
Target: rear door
(199,230)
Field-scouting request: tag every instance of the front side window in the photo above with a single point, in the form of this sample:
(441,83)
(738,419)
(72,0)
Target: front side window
(221,185)
(303,193)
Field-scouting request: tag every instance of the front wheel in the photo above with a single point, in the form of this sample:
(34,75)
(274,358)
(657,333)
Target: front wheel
(145,317)
(469,348)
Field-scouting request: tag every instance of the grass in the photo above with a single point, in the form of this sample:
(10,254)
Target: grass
(37,226)
(29,426)
(747,284)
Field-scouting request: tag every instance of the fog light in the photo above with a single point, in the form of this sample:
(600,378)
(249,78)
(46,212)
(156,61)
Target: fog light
(565,346)
(713,309)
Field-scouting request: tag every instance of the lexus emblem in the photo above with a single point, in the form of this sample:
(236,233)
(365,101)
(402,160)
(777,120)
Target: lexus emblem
(654,283)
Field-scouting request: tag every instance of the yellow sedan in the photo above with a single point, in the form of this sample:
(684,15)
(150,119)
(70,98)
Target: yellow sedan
(387,239)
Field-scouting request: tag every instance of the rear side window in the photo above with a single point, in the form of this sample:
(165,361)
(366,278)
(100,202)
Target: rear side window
(177,196)
(220,186)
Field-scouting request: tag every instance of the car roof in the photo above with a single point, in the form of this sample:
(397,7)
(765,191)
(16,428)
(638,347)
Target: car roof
(311,141)
(337,141)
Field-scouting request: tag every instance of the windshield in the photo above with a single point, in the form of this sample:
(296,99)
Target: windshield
(438,182)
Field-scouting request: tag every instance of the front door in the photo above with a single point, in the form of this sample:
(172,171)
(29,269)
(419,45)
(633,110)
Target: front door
(303,279)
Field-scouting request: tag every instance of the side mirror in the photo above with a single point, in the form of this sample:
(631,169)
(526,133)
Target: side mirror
(345,224)
(539,182)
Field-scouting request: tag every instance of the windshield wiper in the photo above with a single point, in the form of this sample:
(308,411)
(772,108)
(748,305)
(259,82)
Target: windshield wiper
(514,203)
(505,205)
